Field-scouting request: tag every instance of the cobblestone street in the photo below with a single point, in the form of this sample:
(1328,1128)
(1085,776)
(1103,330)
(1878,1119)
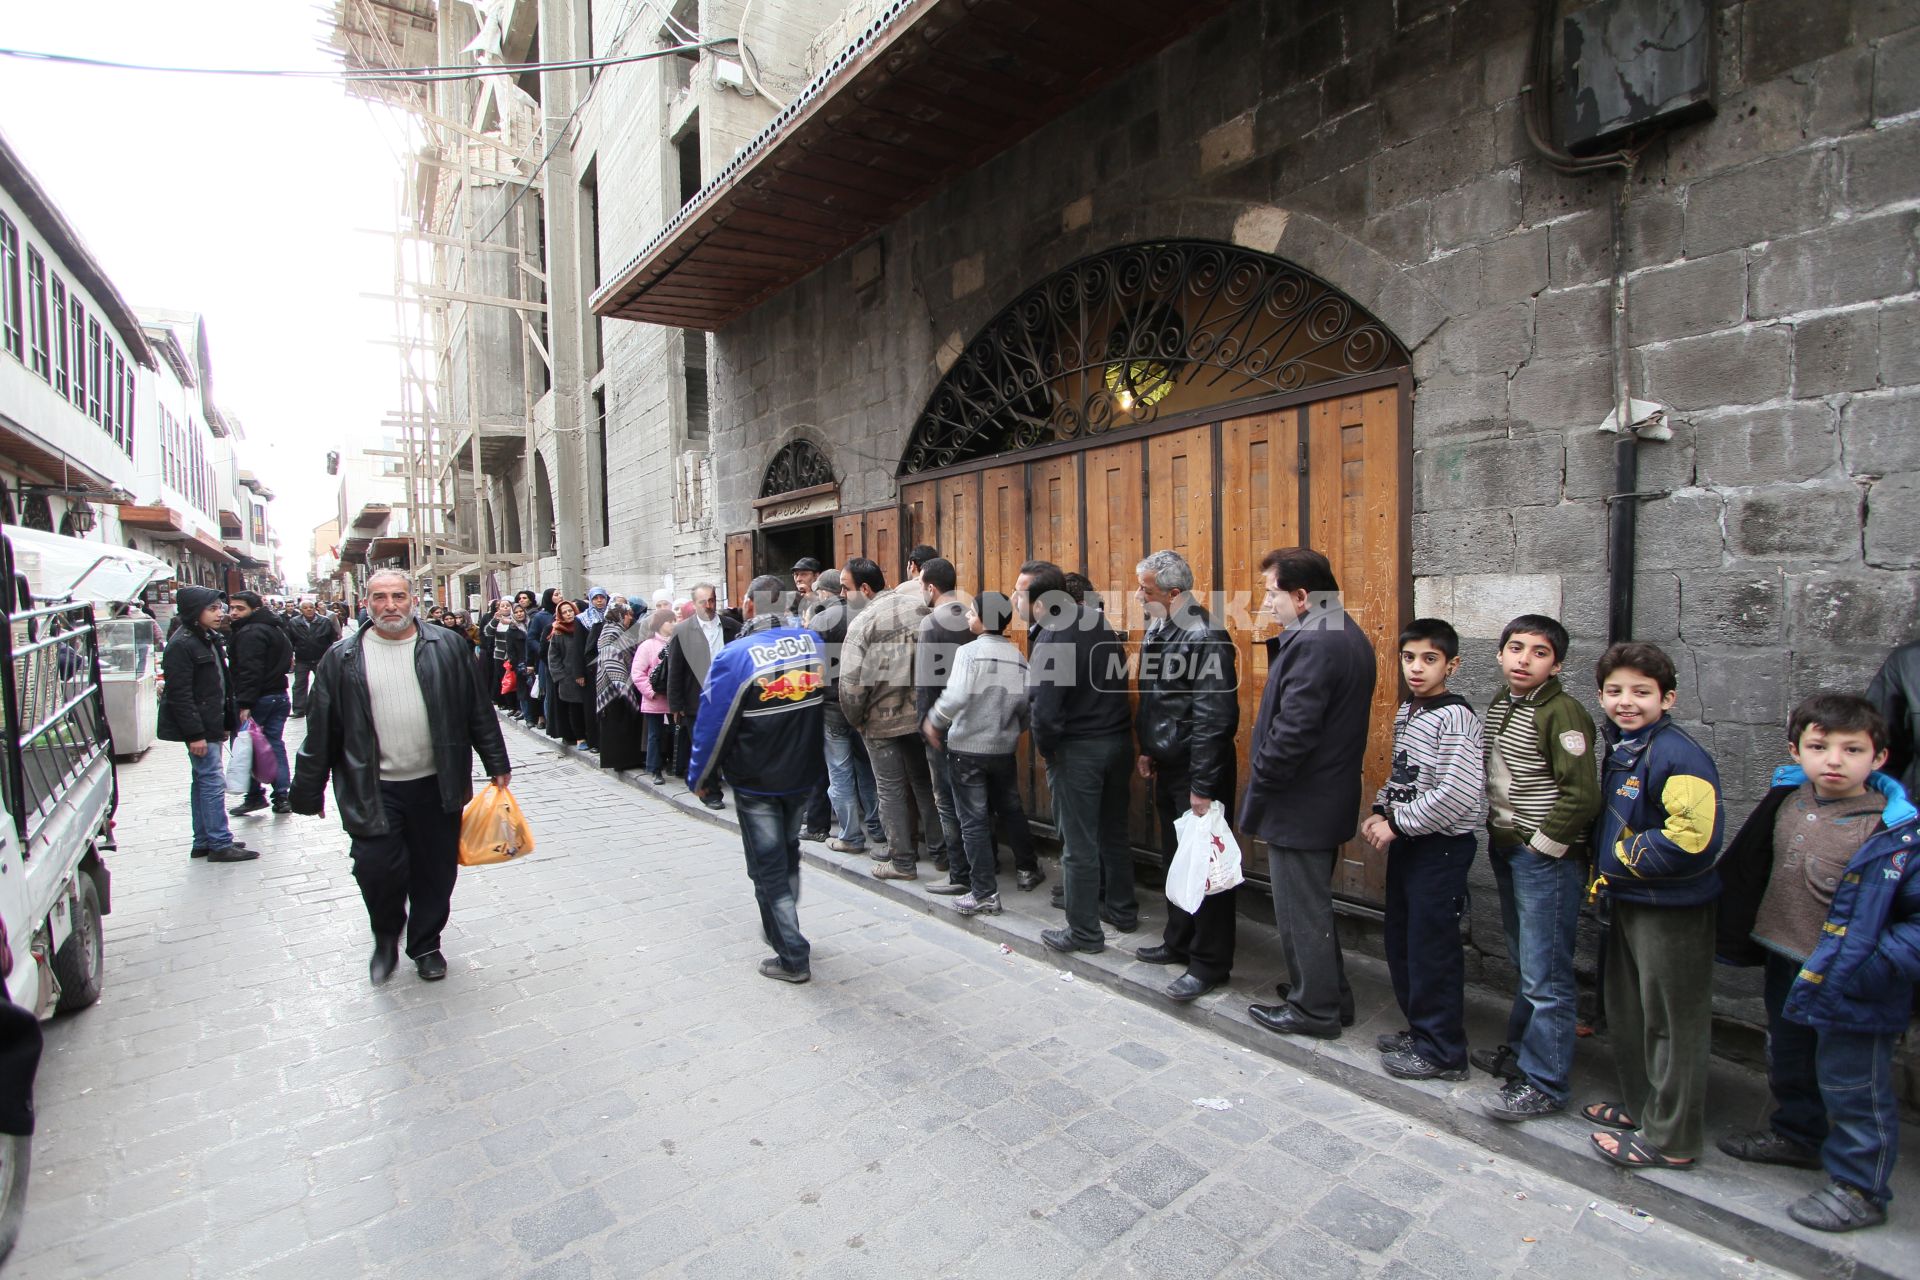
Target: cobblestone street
(604,1087)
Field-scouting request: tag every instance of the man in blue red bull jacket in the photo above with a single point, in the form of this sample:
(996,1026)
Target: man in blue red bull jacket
(759,726)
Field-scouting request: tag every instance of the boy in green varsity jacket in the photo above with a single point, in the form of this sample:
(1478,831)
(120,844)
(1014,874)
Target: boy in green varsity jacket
(1656,851)
(1543,794)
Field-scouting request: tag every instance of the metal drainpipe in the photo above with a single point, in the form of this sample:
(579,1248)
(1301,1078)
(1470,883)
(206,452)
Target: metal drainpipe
(1623,506)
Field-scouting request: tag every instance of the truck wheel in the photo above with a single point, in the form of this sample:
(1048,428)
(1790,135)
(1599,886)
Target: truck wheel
(79,961)
(15,1159)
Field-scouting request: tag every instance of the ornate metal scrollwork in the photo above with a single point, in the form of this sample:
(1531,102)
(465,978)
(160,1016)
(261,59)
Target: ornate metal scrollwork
(798,465)
(1138,333)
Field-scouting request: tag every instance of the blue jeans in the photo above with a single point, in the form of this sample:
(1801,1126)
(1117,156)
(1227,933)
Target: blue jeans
(1833,1090)
(850,787)
(943,803)
(656,739)
(209,800)
(1540,912)
(270,713)
(770,830)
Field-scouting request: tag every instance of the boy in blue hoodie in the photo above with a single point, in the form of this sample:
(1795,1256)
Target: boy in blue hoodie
(1655,848)
(1821,888)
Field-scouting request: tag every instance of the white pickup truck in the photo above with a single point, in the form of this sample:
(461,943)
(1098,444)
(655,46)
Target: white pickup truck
(58,786)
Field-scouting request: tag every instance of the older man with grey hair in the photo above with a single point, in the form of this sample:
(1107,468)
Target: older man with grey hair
(1188,713)
(396,715)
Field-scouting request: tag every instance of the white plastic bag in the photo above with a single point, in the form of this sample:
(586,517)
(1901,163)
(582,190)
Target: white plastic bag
(239,764)
(1206,859)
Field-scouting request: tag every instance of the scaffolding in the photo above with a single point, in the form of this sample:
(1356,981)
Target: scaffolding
(469,289)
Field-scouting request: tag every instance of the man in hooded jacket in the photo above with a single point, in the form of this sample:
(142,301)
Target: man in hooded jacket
(197,709)
(261,654)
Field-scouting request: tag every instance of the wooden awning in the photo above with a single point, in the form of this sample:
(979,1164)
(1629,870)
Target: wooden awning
(164,524)
(931,90)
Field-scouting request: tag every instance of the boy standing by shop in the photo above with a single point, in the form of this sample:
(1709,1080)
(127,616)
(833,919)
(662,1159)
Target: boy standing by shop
(1544,795)
(1656,846)
(1822,888)
(1425,817)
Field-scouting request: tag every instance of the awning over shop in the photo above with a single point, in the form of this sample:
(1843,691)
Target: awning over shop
(45,464)
(163,524)
(931,90)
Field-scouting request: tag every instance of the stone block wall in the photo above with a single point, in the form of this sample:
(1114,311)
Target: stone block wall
(1380,144)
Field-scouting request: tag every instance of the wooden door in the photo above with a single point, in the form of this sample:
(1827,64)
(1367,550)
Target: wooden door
(883,543)
(1003,529)
(919,505)
(1259,510)
(739,567)
(1053,500)
(1354,517)
(1180,498)
(1116,540)
(958,526)
(849,539)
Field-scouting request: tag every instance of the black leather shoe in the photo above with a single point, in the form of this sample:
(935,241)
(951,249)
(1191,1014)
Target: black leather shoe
(1186,987)
(1346,1010)
(1124,927)
(713,802)
(386,954)
(1286,1019)
(200,850)
(232,853)
(252,804)
(1031,880)
(283,805)
(432,966)
(1058,900)
(940,862)
(1159,953)
(1062,940)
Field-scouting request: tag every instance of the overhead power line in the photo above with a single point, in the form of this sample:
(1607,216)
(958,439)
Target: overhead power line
(407,75)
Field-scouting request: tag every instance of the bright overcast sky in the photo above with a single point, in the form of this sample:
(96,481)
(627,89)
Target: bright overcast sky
(232,196)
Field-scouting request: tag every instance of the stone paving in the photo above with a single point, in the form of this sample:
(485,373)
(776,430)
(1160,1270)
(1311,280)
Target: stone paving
(604,1087)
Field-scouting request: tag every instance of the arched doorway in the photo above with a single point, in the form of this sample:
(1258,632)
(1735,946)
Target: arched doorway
(545,536)
(1177,394)
(799,495)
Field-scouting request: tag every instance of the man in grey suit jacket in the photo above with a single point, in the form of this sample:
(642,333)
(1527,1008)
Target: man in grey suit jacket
(1304,786)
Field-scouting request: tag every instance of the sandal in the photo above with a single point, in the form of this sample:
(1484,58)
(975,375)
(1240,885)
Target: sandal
(1837,1207)
(1634,1152)
(1610,1114)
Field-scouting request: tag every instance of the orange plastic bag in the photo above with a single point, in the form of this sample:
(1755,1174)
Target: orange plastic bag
(493,829)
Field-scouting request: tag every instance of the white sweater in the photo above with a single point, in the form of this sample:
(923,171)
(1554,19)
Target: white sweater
(399,708)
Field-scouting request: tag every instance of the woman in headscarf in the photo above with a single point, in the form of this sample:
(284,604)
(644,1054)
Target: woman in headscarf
(654,712)
(539,646)
(572,669)
(622,731)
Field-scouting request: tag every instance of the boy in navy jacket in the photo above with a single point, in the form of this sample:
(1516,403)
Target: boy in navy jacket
(1821,888)
(1656,844)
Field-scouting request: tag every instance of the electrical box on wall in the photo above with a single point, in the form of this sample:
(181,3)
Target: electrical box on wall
(1630,66)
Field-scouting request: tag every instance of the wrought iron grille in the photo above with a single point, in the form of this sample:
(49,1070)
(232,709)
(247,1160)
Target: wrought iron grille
(1138,333)
(798,465)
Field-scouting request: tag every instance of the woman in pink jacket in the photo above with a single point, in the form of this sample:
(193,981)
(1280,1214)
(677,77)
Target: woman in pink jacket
(653,706)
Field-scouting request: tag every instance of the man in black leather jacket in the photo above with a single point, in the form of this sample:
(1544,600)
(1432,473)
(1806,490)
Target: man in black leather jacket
(395,718)
(1896,691)
(316,633)
(261,653)
(196,707)
(1188,713)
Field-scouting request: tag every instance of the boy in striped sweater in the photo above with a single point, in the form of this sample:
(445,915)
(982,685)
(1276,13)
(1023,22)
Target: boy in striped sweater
(1544,794)
(1425,819)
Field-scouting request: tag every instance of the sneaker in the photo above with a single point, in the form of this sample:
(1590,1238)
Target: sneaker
(252,804)
(972,906)
(772,968)
(809,833)
(1409,1065)
(201,850)
(1397,1042)
(845,846)
(1764,1146)
(887,871)
(1520,1100)
(940,862)
(1500,1061)
(947,890)
(1031,880)
(282,805)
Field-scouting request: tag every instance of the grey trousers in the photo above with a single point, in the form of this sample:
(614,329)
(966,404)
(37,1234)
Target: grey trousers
(1303,911)
(900,768)
(942,774)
